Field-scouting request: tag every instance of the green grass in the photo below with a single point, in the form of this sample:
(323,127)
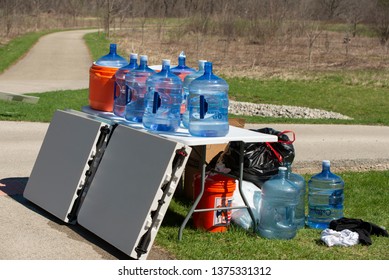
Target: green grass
(43,111)
(366,197)
(366,104)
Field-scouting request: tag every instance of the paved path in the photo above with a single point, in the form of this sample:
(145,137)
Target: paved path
(61,61)
(57,61)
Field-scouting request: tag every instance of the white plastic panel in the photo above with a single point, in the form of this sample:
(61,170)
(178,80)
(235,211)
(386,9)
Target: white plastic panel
(127,187)
(62,162)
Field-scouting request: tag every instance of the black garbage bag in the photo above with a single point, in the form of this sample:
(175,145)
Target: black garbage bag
(261,160)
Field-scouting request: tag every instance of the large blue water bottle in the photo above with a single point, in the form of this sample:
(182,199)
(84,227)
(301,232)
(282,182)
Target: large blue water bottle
(163,100)
(325,197)
(185,89)
(208,105)
(182,70)
(300,183)
(119,93)
(136,90)
(280,198)
(112,59)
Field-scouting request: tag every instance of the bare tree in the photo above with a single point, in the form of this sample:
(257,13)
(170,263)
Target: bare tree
(381,20)
(354,13)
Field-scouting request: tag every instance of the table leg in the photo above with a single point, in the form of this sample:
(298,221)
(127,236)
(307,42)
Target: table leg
(241,168)
(198,198)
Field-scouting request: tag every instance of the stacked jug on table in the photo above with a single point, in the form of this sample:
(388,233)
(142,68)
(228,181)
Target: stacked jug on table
(161,100)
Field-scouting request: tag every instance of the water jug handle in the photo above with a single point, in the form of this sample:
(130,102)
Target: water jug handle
(290,140)
(128,94)
(114,91)
(203,106)
(156,102)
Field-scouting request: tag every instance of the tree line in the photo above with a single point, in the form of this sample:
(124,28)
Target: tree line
(260,17)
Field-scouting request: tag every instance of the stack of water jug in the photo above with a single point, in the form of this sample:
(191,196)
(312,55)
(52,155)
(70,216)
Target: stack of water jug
(167,99)
(282,205)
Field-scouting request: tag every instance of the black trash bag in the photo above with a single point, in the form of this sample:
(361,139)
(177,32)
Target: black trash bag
(261,160)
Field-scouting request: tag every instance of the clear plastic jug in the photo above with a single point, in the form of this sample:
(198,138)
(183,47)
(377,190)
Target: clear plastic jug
(119,93)
(208,105)
(300,183)
(112,59)
(136,90)
(325,197)
(182,70)
(185,88)
(163,100)
(280,198)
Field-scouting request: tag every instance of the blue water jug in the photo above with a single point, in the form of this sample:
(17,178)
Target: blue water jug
(136,90)
(300,183)
(119,93)
(325,197)
(182,70)
(280,198)
(163,100)
(208,105)
(112,59)
(185,89)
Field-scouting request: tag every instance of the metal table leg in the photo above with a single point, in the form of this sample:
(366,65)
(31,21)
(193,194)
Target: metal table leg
(241,168)
(198,198)
(203,177)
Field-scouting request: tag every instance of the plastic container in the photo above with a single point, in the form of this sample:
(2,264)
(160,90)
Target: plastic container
(208,105)
(136,90)
(181,70)
(102,80)
(112,59)
(218,192)
(325,197)
(300,183)
(163,100)
(185,89)
(120,93)
(280,198)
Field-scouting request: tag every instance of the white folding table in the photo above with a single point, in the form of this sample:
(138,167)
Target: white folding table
(182,136)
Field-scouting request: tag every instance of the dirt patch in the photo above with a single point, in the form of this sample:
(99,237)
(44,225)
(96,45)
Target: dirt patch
(285,58)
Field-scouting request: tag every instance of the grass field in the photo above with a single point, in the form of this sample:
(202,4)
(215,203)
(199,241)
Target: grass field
(366,197)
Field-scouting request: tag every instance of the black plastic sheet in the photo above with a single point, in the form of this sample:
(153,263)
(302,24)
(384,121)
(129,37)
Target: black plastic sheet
(261,160)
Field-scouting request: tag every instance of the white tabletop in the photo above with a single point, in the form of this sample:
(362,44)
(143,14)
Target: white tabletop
(182,134)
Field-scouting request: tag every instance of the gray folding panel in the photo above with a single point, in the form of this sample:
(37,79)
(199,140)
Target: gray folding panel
(62,161)
(135,173)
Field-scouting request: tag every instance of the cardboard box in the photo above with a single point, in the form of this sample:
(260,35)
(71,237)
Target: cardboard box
(193,165)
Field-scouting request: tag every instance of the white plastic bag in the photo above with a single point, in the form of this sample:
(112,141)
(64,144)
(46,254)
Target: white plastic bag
(252,194)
